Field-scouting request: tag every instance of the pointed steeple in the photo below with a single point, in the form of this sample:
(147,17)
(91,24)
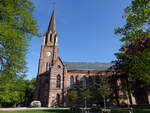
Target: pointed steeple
(52,24)
(51,34)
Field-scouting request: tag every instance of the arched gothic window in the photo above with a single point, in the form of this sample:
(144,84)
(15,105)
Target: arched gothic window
(84,82)
(58,81)
(90,80)
(47,66)
(97,79)
(76,81)
(71,82)
(58,99)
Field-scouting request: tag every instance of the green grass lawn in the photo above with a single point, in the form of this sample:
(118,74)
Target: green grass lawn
(67,111)
(134,111)
(37,111)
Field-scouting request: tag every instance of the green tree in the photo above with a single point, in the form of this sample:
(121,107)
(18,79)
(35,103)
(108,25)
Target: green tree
(134,57)
(73,96)
(30,87)
(104,89)
(12,92)
(86,96)
(17,26)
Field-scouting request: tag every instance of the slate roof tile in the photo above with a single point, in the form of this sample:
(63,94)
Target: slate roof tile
(95,66)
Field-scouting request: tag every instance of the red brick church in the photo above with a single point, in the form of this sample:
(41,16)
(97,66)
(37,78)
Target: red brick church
(55,77)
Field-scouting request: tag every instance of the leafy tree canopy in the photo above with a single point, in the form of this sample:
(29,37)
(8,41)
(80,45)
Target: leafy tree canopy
(73,95)
(134,56)
(104,87)
(137,25)
(17,26)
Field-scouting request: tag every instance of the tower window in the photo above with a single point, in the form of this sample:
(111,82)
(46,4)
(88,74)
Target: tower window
(50,37)
(58,81)
(47,66)
(46,38)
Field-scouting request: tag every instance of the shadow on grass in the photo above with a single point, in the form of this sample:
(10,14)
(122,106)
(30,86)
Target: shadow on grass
(38,111)
(134,111)
(56,111)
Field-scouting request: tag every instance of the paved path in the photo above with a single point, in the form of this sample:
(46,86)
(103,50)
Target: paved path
(25,108)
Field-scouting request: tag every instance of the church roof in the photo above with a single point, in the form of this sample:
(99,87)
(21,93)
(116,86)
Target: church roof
(85,66)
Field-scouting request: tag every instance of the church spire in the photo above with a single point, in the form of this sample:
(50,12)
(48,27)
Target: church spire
(52,24)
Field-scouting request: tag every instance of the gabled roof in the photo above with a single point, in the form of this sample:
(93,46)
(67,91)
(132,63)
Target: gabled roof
(85,66)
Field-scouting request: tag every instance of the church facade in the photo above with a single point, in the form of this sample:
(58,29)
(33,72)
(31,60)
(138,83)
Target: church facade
(55,78)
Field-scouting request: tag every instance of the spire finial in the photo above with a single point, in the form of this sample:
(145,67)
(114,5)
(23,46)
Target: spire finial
(52,24)
(53,3)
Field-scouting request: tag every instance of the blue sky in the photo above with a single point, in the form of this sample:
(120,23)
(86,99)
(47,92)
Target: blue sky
(85,30)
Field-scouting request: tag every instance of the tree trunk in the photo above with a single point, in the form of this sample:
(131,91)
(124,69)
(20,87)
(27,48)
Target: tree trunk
(85,103)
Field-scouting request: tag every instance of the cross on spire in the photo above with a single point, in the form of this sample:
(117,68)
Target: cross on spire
(53,3)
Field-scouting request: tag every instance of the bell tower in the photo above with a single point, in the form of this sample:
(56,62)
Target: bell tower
(49,49)
(48,58)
